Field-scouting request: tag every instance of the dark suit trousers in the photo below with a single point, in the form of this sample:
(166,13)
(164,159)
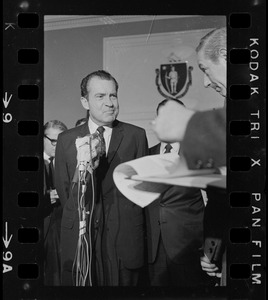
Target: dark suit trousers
(107,270)
(101,269)
(110,270)
(164,272)
(68,245)
(52,269)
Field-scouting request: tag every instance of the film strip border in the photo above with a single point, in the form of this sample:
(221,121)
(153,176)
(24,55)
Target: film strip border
(22,153)
(246,157)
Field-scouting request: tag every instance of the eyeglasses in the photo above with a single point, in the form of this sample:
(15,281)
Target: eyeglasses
(53,142)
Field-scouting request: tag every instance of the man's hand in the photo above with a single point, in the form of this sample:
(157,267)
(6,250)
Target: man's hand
(171,122)
(210,268)
(53,196)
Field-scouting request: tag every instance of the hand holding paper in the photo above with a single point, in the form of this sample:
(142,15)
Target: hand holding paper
(143,180)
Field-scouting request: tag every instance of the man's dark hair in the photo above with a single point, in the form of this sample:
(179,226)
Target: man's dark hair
(100,74)
(162,103)
(55,124)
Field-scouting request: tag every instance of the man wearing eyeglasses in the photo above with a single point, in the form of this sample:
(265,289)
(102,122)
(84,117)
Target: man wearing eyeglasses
(52,209)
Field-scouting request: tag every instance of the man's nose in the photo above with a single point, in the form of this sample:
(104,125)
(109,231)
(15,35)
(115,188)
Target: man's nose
(207,81)
(108,101)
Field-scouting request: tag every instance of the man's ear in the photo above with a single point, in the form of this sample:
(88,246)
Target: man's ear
(223,53)
(84,102)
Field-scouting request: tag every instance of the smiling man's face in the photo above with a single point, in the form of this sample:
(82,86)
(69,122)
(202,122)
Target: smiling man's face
(214,72)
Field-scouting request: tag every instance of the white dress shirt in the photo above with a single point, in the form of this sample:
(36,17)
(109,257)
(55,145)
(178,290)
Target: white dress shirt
(46,157)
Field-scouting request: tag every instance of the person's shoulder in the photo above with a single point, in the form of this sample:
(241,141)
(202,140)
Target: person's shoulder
(129,127)
(154,149)
(73,133)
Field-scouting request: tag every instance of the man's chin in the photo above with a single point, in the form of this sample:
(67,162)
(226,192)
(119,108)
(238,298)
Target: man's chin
(223,94)
(109,120)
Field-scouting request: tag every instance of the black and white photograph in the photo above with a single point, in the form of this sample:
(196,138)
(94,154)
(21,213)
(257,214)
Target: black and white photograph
(136,82)
(134,150)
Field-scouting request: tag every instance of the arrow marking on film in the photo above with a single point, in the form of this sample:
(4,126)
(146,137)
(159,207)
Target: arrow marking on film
(6,101)
(7,240)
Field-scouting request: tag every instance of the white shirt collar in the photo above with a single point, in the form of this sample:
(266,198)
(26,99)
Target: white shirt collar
(175,147)
(93,127)
(46,157)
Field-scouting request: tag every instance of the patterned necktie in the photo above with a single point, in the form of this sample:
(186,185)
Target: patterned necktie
(168,148)
(100,130)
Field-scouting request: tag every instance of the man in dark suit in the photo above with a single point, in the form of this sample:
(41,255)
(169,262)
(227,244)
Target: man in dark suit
(203,135)
(117,227)
(51,206)
(175,232)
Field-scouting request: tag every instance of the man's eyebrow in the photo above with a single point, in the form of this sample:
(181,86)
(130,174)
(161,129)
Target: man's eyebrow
(100,94)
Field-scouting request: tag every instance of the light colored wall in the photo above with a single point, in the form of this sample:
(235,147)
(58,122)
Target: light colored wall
(70,54)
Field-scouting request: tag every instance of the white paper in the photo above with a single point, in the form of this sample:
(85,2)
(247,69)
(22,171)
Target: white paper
(143,180)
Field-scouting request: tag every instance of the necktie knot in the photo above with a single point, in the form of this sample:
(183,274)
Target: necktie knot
(100,130)
(168,148)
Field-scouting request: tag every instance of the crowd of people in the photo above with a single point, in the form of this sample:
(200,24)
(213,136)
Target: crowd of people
(123,244)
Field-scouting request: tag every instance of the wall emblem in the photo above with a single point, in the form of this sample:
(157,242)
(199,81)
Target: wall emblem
(173,79)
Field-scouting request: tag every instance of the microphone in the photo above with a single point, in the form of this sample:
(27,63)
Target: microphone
(88,154)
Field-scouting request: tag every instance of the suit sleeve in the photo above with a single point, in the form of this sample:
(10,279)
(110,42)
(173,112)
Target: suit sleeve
(62,178)
(142,148)
(204,144)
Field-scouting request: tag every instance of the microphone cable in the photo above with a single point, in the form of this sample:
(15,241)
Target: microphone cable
(81,260)
(82,264)
(89,229)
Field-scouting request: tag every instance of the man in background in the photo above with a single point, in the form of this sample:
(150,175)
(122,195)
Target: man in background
(203,140)
(175,231)
(51,207)
(202,134)
(117,227)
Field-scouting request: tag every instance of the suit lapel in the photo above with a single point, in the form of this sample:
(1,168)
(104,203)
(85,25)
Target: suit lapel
(155,149)
(84,130)
(116,139)
(79,131)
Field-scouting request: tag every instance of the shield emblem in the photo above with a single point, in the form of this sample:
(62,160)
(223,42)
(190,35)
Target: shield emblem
(173,77)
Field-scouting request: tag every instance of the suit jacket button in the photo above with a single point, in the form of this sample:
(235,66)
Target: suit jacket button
(199,164)
(210,163)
